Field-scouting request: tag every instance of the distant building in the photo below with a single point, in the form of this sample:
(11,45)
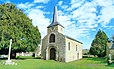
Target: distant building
(57,46)
(85,51)
(111,48)
(38,51)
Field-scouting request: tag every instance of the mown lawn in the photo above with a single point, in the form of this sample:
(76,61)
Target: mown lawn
(85,63)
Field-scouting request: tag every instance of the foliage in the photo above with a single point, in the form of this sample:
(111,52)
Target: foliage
(15,25)
(99,44)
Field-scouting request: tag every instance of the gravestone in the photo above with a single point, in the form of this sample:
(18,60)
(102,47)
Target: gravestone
(110,58)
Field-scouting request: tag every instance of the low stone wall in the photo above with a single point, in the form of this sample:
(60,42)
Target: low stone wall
(24,54)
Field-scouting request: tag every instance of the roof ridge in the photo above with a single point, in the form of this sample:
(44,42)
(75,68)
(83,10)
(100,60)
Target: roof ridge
(73,39)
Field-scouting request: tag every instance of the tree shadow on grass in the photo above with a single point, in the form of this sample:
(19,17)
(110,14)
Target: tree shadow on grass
(95,59)
(26,57)
(100,60)
(3,58)
(111,65)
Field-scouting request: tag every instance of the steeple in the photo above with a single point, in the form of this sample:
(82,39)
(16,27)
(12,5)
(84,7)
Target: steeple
(55,16)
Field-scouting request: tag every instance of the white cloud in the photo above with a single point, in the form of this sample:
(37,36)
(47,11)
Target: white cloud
(64,20)
(41,1)
(107,15)
(75,4)
(75,1)
(82,17)
(93,29)
(24,6)
(69,25)
(109,27)
(79,17)
(37,15)
(93,26)
(64,6)
(87,11)
(85,18)
(77,33)
(39,19)
(60,3)
(102,2)
(40,7)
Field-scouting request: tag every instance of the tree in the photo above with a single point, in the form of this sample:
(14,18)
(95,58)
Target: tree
(15,25)
(99,44)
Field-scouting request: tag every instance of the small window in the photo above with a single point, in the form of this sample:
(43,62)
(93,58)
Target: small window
(61,29)
(76,47)
(68,45)
(52,38)
(77,55)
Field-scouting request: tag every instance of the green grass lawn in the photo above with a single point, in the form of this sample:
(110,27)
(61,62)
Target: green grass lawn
(85,63)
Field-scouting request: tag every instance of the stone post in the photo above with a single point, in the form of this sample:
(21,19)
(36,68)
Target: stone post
(9,50)
(110,58)
(9,62)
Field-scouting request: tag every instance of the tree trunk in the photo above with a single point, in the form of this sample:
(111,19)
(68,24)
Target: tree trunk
(13,55)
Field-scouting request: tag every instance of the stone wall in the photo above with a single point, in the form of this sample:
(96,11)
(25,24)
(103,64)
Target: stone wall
(59,45)
(72,54)
(57,28)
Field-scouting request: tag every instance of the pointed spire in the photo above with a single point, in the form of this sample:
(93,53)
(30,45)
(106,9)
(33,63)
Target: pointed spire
(55,15)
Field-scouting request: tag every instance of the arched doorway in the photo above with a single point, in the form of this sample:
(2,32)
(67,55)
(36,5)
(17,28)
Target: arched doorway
(52,54)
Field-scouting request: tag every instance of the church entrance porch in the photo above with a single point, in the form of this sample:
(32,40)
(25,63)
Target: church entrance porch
(52,54)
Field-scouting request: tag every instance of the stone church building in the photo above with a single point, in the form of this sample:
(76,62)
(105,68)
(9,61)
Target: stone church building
(57,46)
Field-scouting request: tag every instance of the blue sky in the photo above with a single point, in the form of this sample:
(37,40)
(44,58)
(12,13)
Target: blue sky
(81,18)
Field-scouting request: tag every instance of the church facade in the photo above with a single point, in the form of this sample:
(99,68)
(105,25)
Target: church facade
(57,46)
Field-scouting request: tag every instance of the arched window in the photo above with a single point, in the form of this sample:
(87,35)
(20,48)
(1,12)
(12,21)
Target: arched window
(52,38)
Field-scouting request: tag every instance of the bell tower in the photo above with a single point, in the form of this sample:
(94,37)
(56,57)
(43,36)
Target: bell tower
(55,26)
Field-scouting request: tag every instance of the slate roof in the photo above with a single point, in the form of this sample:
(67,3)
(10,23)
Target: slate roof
(54,24)
(73,39)
(55,16)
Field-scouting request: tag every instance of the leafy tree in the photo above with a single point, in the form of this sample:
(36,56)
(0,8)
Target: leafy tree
(99,44)
(15,25)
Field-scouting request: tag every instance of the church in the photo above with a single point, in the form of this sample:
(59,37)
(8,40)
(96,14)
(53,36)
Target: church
(57,46)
